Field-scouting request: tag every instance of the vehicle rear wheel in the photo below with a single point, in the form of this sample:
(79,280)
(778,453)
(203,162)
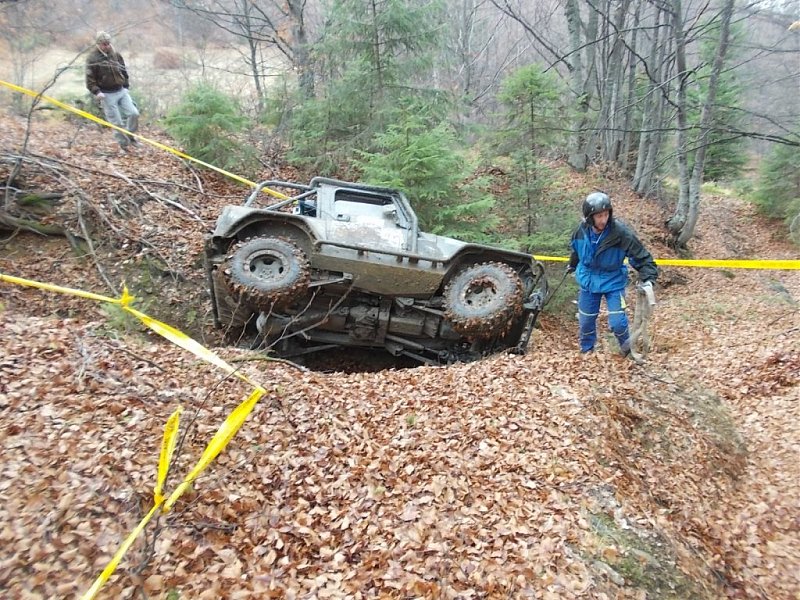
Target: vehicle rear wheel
(267,273)
(482,300)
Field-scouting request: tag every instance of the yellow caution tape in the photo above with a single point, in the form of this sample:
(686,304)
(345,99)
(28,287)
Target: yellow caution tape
(226,431)
(112,565)
(551,258)
(167,449)
(124,300)
(779,265)
(176,336)
(709,263)
(159,145)
(179,338)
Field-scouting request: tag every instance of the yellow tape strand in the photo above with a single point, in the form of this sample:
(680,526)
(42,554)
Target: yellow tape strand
(776,265)
(218,443)
(708,263)
(64,290)
(551,258)
(226,431)
(179,338)
(175,336)
(174,151)
(168,443)
(112,565)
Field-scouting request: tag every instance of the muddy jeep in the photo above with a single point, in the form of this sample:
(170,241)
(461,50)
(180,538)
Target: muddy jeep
(338,265)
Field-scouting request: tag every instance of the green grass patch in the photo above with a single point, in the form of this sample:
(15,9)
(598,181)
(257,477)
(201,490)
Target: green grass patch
(717,189)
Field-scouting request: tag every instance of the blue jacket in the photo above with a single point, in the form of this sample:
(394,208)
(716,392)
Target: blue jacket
(599,263)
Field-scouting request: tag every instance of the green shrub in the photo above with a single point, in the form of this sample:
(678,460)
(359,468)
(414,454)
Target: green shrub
(206,123)
(778,190)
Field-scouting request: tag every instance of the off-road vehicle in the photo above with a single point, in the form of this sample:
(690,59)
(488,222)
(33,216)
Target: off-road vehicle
(342,265)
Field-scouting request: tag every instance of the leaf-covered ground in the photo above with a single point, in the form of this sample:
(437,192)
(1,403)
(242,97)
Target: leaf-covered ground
(544,476)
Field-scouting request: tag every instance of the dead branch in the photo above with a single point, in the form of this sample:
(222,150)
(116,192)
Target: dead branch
(158,197)
(282,361)
(89,243)
(42,160)
(9,223)
(14,234)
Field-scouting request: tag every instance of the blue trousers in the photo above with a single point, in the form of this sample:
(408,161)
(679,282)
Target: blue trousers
(589,308)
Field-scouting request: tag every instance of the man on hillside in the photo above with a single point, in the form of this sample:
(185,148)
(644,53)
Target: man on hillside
(600,246)
(107,80)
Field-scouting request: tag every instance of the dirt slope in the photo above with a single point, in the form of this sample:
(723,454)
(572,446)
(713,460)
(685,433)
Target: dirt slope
(546,476)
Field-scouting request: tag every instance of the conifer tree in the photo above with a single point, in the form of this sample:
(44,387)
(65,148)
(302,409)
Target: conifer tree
(370,59)
(778,191)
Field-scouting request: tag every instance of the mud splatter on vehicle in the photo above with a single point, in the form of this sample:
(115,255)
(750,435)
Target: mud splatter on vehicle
(341,264)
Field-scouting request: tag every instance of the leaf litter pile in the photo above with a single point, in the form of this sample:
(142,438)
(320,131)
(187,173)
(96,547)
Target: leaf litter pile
(544,476)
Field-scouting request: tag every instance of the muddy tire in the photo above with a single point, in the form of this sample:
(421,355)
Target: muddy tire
(266,273)
(482,300)
(233,314)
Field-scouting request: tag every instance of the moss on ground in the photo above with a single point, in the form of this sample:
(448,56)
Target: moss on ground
(646,562)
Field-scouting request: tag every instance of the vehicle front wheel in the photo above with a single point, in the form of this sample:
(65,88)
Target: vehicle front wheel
(267,273)
(482,300)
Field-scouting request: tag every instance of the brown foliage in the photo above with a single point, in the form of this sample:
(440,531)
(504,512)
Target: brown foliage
(546,476)
(167,59)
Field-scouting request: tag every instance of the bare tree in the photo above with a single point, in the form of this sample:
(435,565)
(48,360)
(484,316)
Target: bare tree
(262,25)
(683,222)
(652,111)
(25,27)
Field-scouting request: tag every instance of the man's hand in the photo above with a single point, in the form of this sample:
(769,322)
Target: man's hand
(570,269)
(647,288)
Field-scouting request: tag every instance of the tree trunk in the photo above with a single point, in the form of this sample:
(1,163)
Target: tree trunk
(706,119)
(612,86)
(252,57)
(630,96)
(301,59)
(652,113)
(678,220)
(9,223)
(577,156)
(589,84)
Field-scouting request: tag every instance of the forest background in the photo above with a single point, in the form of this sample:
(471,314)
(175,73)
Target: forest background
(469,106)
(549,475)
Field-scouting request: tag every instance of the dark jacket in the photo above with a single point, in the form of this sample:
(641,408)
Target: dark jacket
(600,268)
(105,72)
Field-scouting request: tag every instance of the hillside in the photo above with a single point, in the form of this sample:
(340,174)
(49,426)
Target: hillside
(544,476)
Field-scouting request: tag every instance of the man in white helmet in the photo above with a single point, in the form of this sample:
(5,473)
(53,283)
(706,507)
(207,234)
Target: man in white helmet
(600,246)
(107,80)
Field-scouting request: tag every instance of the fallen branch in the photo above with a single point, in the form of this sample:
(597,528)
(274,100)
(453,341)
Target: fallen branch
(158,197)
(10,223)
(282,361)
